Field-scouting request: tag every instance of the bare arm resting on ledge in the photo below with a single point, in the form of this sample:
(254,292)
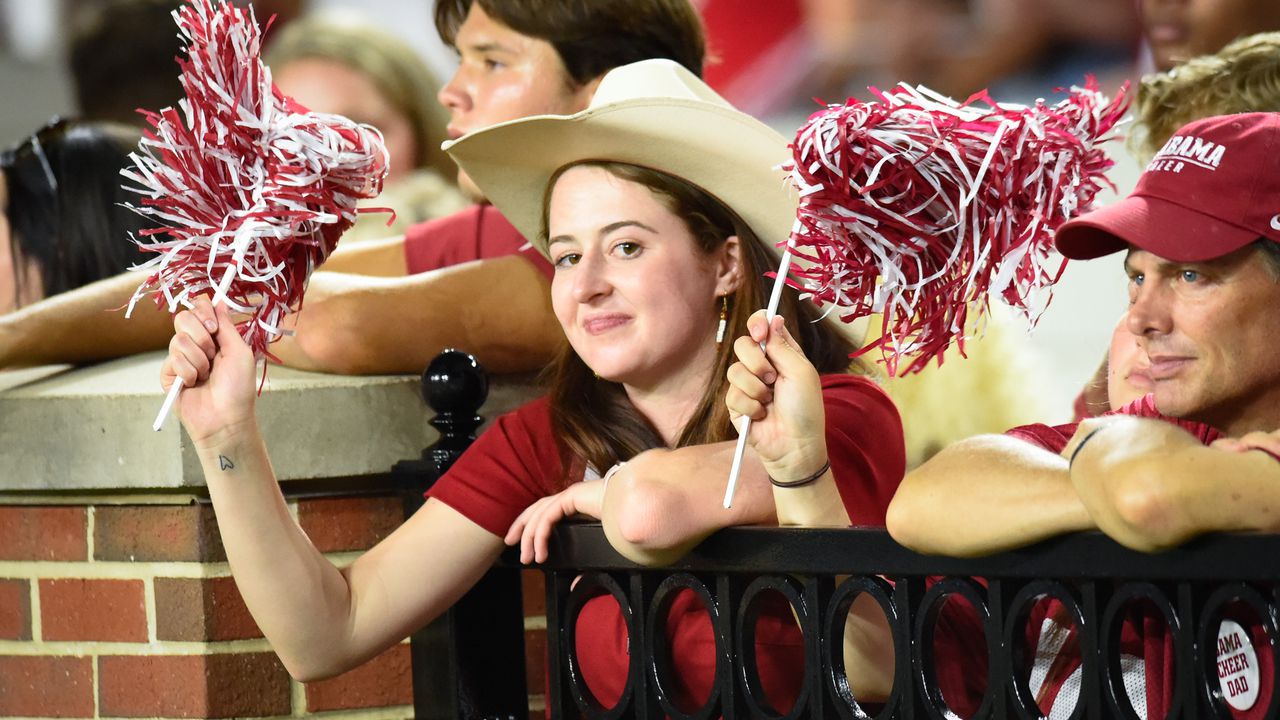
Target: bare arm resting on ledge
(1146,483)
(665,502)
(87,324)
(1152,486)
(983,495)
(379,258)
(656,507)
(496,309)
(83,325)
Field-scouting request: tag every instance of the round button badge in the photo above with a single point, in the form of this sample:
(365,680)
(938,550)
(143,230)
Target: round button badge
(1237,666)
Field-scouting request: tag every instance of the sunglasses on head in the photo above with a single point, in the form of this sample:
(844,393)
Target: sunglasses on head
(28,163)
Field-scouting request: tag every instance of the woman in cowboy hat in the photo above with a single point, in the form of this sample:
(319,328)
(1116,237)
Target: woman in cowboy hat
(659,206)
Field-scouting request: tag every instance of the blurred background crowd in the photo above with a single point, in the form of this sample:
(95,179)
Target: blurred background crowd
(101,59)
(772,57)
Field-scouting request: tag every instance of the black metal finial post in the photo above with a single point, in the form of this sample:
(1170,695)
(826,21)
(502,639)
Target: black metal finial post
(455,386)
(468,663)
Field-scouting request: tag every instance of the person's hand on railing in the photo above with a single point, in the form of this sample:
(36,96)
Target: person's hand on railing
(533,527)
(217,372)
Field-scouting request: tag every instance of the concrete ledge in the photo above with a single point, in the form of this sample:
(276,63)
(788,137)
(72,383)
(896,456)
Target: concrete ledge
(65,429)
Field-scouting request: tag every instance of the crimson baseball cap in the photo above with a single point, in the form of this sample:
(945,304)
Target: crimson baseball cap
(1211,190)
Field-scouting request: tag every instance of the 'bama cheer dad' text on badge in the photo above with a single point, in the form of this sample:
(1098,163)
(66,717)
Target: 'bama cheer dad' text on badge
(1237,666)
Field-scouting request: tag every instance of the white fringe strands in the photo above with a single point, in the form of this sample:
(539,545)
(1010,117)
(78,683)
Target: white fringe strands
(250,190)
(921,208)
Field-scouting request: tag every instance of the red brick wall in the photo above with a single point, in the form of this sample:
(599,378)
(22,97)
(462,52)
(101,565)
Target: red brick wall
(224,685)
(15,610)
(42,533)
(79,609)
(40,686)
(130,611)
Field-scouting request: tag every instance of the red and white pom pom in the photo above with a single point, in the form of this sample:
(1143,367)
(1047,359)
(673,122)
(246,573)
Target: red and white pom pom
(250,190)
(920,208)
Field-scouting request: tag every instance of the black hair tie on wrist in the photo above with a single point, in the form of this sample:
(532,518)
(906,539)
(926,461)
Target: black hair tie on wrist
(1071,462)
(803,481)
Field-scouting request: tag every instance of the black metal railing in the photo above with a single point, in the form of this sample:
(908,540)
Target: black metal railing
(821,572)
(471,662)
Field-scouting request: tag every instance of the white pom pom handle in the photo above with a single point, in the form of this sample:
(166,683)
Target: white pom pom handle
(744,425)
(174,391)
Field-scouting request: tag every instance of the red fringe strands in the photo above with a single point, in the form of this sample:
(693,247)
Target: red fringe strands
(921,208)
(251,191)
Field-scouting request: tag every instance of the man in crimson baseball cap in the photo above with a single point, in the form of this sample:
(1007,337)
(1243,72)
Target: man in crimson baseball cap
(1201,453)
(1202,230)
(1211,190)
(1198,454)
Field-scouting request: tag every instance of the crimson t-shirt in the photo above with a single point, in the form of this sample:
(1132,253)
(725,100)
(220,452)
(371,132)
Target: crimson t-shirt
(475,233)
(517,461)
(1055,438)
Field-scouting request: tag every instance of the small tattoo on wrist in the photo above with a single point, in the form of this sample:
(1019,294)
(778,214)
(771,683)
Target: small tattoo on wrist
(224,463)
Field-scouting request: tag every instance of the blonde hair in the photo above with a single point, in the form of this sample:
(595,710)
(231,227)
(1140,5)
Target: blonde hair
(394,68)
(1242,77)
(984,392)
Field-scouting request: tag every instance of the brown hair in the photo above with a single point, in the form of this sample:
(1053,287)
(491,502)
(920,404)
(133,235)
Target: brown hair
(594,36)
(1244,76)
(121,57)
(595,420)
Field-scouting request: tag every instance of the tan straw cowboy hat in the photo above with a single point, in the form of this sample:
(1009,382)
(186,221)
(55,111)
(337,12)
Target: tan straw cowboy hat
(655,114)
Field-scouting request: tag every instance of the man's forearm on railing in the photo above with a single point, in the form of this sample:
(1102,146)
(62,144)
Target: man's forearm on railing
(983,495)
(84,325)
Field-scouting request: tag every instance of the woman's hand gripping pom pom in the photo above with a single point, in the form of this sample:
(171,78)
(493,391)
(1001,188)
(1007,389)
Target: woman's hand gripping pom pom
(251,191)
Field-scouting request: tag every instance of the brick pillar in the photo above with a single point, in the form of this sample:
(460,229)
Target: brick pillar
(130,611)
(115,594)
(533,593)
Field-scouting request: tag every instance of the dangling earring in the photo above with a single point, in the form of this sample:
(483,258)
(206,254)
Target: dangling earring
(724,312)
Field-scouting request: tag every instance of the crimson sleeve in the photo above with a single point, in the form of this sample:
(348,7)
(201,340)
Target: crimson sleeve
(1048,437)
(865,446)
(479,232)
(443,241)
(1145,407)
(498,237)
(510,466)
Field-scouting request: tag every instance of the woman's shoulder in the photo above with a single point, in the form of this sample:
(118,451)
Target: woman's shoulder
(856,401)
(520,443)
(533,417)
(852,385)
